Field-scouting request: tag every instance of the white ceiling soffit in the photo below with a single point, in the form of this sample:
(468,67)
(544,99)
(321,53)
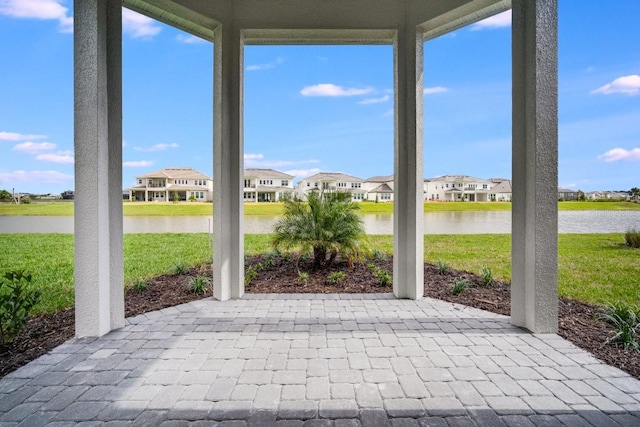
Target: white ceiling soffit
(310,37)
(177,16)
(470,13)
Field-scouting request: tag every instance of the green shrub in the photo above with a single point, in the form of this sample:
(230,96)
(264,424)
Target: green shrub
(179,268)
(140,284)
(632,237)
(198,285)
(625,318)
(487,276)
(303,276)
(459,286)
(336,277)
(378,255)
(384,277)
(442,266)
(16,302)
(251,273)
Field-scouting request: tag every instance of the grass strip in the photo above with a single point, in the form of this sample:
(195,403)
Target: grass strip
(595,268)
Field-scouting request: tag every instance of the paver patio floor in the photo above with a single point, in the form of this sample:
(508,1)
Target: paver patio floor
(343,360)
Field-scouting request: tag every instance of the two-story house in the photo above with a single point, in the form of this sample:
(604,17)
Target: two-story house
(266,185)
(172,184)
(457,188)
(333,181)
(379,188)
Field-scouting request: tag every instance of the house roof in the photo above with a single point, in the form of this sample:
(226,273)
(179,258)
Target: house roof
(266,173)
(566,190)
(502,187)
(382,188)
(175,173)
(333,176)
(455,178)
(380,178)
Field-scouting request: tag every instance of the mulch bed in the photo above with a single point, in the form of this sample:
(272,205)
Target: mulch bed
(578,322)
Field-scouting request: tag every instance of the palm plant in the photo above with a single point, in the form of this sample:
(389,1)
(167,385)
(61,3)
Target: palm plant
(326,224)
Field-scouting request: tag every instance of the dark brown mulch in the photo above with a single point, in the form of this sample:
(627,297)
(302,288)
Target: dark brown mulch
(578,322)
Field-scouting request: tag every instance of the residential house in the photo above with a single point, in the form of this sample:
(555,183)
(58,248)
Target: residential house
(333,181)
(566,194)
(457,188)
(595,195)
(173,184)
(266,185)
(500,190)
(379,188)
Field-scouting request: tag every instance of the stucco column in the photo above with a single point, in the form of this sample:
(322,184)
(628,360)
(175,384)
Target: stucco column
(408,249)
(228,250)
(534,244)
(99,273)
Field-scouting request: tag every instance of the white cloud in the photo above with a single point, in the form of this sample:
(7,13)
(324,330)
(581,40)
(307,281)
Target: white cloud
(137,164)
(35,176)
(157,147)
(189,39)
(267,66)
(137,25)
(59,157)
(302,173)
(617,154)
(500,20)
(253,156)
(370,101)
(12,136)
(38,9)
(328,89)
(34,147)
(625,84)
(434,90)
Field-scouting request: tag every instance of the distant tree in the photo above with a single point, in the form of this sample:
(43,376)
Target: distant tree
(176,197)
(5,196)
(581,196)
(635,193)
(326,224)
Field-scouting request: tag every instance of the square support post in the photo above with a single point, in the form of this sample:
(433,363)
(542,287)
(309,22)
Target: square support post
(99,272)
(408,211)
(534,239)
(228,258)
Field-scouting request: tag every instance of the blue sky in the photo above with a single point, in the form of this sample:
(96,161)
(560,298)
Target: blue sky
(323,108)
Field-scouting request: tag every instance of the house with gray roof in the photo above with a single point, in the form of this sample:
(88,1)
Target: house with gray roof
(501,190)
(172,184)
(333,181)
(379,188)
(457,188)
(266,185)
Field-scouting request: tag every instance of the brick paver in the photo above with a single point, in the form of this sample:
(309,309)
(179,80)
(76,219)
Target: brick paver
(334,360)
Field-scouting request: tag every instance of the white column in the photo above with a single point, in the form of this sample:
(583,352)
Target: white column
(534,245)
(228,253)
(99,273)
(408,260)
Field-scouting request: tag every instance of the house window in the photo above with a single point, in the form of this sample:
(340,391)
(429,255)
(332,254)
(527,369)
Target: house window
(385,196)
(357,196)
(447,185)
(284,183)
(325,185)
(308,184)
(484,186)
(139,181)
(356,185)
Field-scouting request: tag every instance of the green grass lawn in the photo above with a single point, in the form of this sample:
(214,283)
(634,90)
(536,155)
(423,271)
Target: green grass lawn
(594,268)
(275,209)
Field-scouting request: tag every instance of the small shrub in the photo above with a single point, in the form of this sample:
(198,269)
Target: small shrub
(140,284)
(179,268)
(336,277)
(625,318)
(251,273)
(459,286)
(487,276)
(632,237)
(443,268)
(378,255)
(384,277)
(16,302)
(303,276)
(198,285)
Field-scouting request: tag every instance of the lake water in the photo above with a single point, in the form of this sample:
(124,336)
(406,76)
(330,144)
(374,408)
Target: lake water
(434,223)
